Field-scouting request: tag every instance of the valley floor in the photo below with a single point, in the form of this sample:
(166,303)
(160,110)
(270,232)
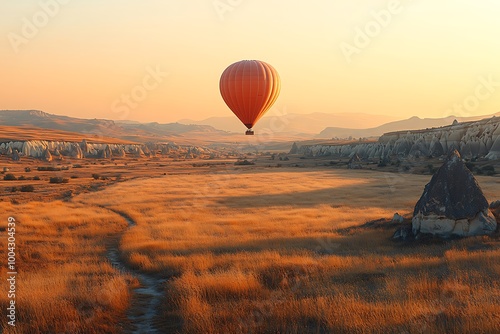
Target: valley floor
(240,249)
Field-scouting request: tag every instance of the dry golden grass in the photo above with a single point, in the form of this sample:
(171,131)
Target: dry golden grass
(81,172)
(266,251)
(64,283)
(249,250)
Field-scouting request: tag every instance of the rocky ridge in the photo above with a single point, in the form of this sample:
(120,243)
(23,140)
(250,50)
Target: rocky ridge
(48,150)
(453,203)
(479,139)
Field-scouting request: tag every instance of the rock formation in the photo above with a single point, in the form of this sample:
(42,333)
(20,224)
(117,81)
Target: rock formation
(107,153)
(453,204)
(16,156)
(397,218)
(138,152)
(494,152)
(84,147)
(121,153)
(46,155)
(354,162)
(145,151)
(78,150)
(472,139)
(165,150)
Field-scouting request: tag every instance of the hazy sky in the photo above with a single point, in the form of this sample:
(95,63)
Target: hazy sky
(161,60)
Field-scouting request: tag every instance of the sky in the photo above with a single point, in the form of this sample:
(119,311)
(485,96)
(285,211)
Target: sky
(161,60)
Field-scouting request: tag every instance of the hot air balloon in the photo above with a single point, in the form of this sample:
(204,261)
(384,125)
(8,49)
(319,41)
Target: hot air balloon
(249,88)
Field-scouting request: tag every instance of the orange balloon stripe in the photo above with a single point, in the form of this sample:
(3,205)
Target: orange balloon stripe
(226,93)
(274,81)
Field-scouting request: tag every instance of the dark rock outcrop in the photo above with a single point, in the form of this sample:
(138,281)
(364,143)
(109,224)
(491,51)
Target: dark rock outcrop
(355,162)
(16,156)
(453,203)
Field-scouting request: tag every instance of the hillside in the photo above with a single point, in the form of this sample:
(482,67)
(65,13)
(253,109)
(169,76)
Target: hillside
(25,133)
(413,123)
(294,123)
(99,128)
(40,119)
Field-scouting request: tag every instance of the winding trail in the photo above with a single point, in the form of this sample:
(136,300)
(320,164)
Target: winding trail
(146,299)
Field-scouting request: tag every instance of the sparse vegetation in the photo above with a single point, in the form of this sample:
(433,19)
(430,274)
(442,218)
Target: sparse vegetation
(49,169)
(382,164)
(431,169)
(283,246)
(27,188)
(287,259)
(488,170)
(61,257)
(244,163)
(9,177)
(58,179)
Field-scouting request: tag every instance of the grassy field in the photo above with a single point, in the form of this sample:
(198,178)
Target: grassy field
(64,283)
(250,249)
(271,251)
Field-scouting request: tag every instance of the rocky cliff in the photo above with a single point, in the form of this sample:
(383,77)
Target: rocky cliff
(78,150)
(479,139)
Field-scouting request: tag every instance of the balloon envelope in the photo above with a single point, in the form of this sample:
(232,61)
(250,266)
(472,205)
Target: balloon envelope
(249,88)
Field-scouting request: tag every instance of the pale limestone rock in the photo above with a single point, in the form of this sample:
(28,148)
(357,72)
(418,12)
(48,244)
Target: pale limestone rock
(47,156)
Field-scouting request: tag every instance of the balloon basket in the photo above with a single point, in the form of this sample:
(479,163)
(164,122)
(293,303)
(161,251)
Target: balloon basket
(249,133)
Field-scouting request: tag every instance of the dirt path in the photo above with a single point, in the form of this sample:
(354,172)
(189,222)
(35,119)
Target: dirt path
(146,298)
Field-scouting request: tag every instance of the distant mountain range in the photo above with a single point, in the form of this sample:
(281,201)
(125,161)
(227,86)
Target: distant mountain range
(40,119)
(285,128)
(292,123)
(96,128)
(413,123)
